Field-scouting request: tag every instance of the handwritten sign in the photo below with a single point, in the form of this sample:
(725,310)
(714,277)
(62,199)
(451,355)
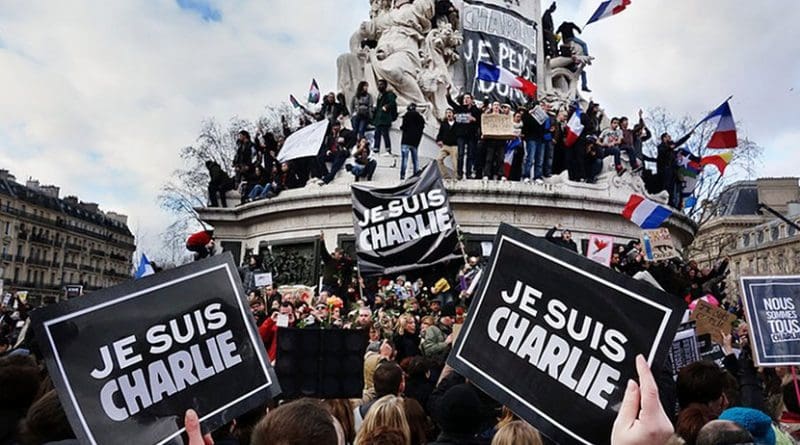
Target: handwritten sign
(657,244)
(497,126)
(263,279)
(711,320)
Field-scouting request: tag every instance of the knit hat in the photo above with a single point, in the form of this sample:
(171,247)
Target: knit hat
(460,410)
(758,424)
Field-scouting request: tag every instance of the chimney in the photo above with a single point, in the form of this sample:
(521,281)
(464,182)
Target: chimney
(90,206)
(72,200)
(118,217)
(32,184)
(4,174)
(50,190)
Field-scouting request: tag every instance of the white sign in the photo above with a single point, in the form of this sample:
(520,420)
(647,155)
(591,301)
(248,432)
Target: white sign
(539,114)
(600,249)
(263,279)
(304,142)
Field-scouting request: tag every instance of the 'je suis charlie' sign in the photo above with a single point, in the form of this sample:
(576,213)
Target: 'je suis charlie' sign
(128,361)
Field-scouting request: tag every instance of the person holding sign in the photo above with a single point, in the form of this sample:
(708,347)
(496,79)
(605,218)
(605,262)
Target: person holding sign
(468,121)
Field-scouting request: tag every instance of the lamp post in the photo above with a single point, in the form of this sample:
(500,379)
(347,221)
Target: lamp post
(761,205)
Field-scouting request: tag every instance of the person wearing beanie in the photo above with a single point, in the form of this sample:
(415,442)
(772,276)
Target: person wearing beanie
(758,424)
(460,415)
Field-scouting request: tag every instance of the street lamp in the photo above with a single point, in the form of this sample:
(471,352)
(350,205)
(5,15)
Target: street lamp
(761,205)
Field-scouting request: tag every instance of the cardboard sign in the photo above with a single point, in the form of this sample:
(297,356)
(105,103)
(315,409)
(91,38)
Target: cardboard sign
(554,336)
(772,306)
(657,245)
(497,126)
(684,348)
(711,320)
(128,361)
(325,363)
(600,248)
(263,279)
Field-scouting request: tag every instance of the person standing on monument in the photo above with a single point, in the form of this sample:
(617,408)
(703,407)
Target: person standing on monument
(538,146)
(567,31)
(548,32)
(385,114)
(467,129)
(361,108)
(447,140)
(412,127)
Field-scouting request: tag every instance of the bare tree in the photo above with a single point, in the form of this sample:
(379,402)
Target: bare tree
(186,189)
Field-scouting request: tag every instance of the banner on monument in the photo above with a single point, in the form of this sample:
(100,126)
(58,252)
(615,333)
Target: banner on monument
(128,361)
(712,320)
(772,306)
(570,326)
(657,245)
(600,248)
(304,142)
(501,33)
(404,227)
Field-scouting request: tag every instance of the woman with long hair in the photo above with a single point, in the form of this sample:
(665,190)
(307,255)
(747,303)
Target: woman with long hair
(406,339)
(387,412)
(517,432)
(361,108)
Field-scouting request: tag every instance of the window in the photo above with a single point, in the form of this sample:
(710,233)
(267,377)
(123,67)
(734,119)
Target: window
(774,233)
(760,236)
(745,240)
(7,230)
(791,231)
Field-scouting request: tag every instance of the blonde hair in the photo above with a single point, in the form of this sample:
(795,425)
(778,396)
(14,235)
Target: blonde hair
(517,432)
(387,412)
(402,321)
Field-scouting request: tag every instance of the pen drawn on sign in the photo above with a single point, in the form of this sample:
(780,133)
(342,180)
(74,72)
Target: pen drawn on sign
(711,320)
(658,245)
(497,126)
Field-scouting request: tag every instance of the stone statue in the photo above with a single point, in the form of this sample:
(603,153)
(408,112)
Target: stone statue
(439,51)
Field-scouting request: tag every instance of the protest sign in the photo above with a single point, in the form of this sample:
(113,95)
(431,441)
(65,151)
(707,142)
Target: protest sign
(325,363)
(684,348)
(263,279)
(771,304)
(128,361)
(403,227)
(600,248)
(657,245)
(539,114)
(304,142)
(551,334)
(712,320)
(497,126)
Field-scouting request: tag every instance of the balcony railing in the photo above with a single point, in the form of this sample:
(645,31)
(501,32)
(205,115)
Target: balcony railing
(71,266)
(73,246)
(7,257)
(98,252)
(41,240)
(39,262)
(19,258)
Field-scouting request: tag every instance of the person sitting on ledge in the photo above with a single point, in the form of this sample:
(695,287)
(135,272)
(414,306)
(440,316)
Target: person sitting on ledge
(363,165)
(335,149)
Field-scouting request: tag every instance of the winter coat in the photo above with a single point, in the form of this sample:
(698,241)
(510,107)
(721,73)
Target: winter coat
(447,133)
(466,129)
(413,125)
(362,105)
(385,117)
(433,343)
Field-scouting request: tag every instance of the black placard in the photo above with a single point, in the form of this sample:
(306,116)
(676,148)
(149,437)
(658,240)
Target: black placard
(772,306)
(179,339)
(324,363)
(684,349)
(404,227)
(566,378)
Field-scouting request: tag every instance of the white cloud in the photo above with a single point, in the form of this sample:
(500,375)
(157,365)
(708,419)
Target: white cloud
(99,96)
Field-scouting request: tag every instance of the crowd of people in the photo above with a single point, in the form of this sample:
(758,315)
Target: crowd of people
(536,149)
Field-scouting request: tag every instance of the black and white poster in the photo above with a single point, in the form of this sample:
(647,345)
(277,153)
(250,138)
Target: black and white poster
(128,361)
(554,336)
(684,350)
(772,306)
(404,227)
(502,33)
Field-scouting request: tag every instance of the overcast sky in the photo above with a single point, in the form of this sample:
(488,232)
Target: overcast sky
(99,96)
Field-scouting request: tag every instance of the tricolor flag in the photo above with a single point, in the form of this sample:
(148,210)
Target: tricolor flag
(720,161)
(508,158)
(144,269)
(725,134)
(498,74)
(645,213)
(294,102)
(609,8)
(313,92)
(574,127)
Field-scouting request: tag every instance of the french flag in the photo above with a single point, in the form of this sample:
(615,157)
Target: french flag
(725,135)
(645,213)
(574,128)
(609,8)
(498,74)
(508,158)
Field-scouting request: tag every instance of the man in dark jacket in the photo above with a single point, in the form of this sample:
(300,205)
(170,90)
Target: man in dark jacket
(564,241)
(666,166)
(335,149)
(385,114)
(548,32)
(412,128)
(337,270)
(245,155)
(467,129)
(447,140)
(219,183)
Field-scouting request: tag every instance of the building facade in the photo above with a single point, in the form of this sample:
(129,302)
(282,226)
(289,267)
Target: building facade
(756,242)
(49,242)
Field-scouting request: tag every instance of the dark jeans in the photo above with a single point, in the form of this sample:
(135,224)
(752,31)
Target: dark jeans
(364,171)
(336,159)
(495,151)
(575,158)
(360,125)
(467,149)
(382,131)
